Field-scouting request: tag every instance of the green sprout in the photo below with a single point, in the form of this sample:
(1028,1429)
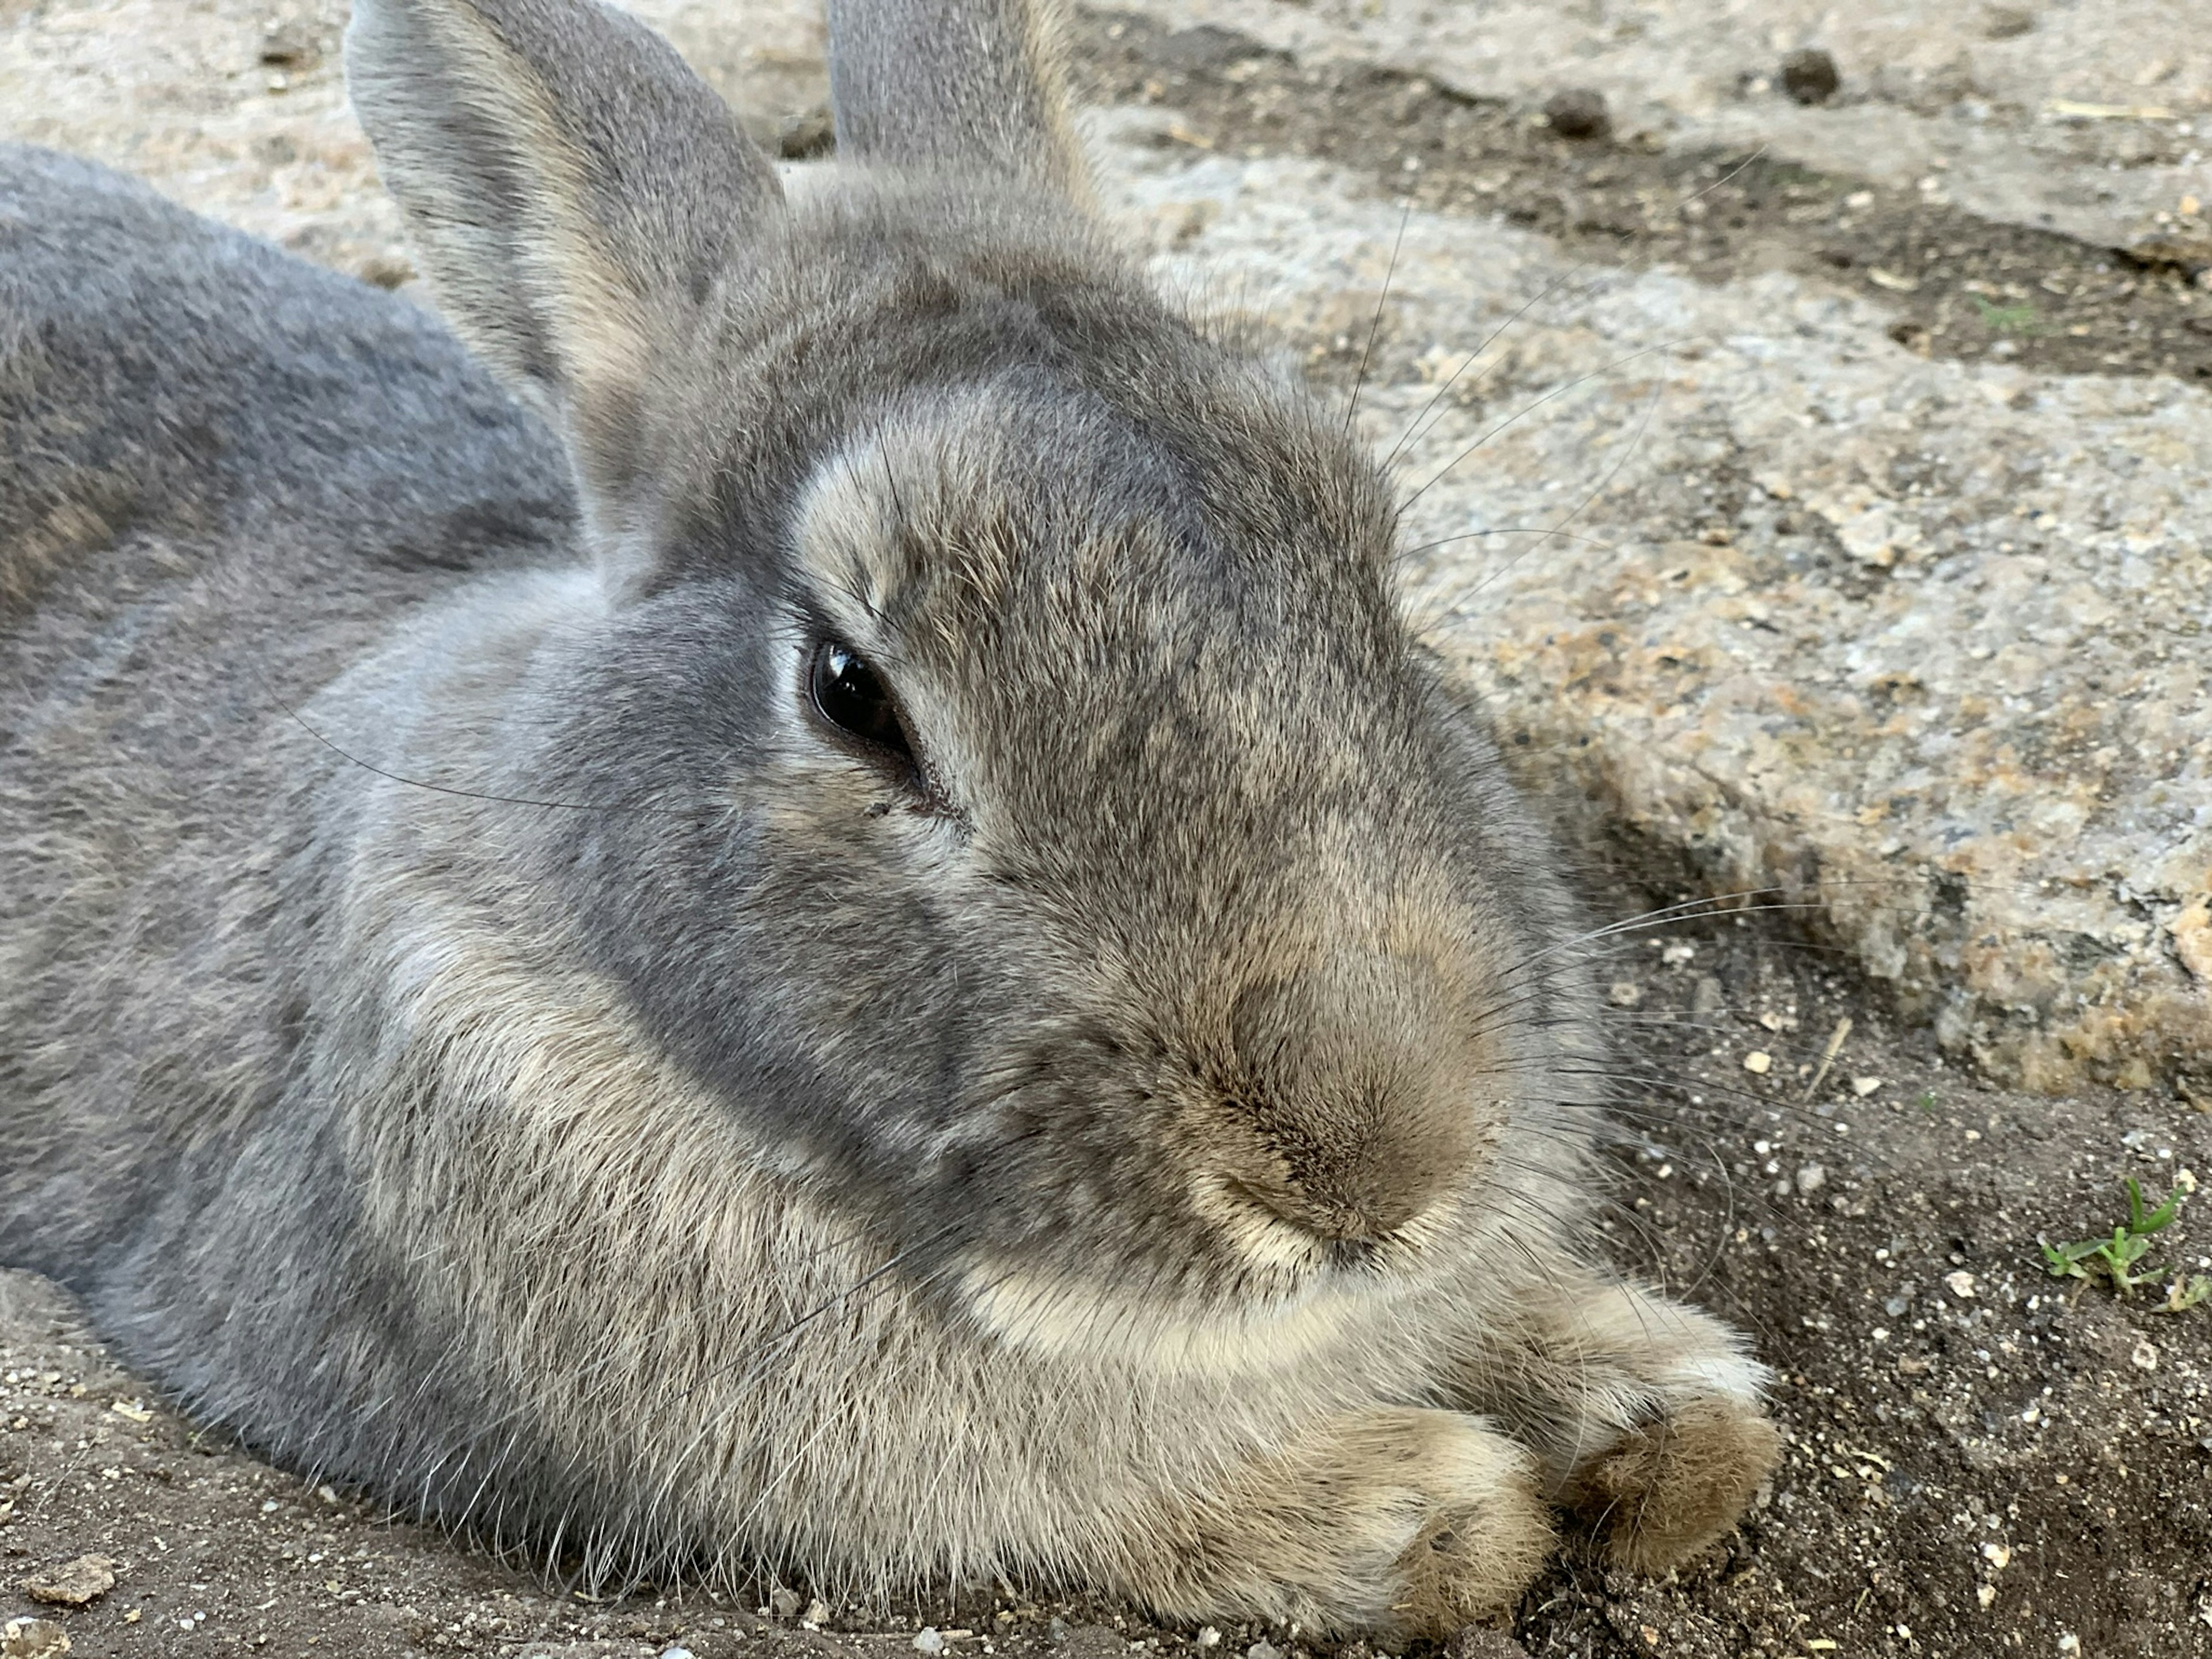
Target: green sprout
(2007,319)
(2119,1258)
(2185,1292)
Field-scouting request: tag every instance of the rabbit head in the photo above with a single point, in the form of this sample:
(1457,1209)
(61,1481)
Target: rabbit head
(1062,857)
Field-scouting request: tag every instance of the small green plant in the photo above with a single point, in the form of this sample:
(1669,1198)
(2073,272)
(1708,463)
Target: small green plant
(1927,1102)
(2009,320)
(2185,1292)
(2118,1258)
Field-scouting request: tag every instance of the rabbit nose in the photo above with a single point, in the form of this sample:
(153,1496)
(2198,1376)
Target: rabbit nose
(1359,1106)
(1371,1198)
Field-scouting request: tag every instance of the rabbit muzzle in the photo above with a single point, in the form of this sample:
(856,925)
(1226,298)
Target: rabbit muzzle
(1345,1105)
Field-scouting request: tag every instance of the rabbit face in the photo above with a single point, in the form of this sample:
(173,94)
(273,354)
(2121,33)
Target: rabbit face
(1064,864)
(1117,917)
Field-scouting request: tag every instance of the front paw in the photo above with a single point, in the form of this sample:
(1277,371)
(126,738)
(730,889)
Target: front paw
(1668,1486)
(1401,1523)
(1485,1535)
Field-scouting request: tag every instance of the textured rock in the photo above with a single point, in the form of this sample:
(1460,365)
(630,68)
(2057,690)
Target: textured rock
(75,1583)
(1920,643)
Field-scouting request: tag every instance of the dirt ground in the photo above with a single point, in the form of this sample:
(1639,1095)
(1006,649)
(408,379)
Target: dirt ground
(1969,286)
(1982,1460)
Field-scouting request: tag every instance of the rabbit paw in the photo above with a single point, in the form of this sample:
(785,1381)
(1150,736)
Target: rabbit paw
(1668,1486)
(1403,1522)
(1488,1532)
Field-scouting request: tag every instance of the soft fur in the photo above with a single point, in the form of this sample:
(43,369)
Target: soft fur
(470,1025)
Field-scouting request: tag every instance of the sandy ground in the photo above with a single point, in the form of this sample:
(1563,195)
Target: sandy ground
(1983,1460)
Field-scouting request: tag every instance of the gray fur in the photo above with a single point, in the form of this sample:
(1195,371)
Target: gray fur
(1000,99)
(466,1024)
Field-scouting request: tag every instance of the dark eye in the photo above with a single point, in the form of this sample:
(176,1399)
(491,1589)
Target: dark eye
(850,697)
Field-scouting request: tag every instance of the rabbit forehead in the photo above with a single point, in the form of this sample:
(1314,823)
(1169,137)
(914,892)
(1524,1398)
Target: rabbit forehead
(1018,545)
(959,501)
(1108,671)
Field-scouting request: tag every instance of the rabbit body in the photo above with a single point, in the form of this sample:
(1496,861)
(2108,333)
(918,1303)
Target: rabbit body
(847,933)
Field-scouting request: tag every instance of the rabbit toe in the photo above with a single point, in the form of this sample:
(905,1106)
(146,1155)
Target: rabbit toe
(1487,1534)
(1669,1487)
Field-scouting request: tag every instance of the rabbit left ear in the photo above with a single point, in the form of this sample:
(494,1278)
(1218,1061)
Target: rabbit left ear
(571,188)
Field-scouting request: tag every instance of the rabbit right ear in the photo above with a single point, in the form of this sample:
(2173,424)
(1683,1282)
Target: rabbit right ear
(571,188)
(972,86)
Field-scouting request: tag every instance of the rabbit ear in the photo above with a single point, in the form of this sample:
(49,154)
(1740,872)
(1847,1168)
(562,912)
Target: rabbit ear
(570,186)
(976,86)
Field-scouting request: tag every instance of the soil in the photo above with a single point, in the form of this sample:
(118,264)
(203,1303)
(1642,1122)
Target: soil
(1982,1459)
(1962,286)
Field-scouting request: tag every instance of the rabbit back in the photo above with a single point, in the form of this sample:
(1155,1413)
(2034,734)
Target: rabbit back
(223,471)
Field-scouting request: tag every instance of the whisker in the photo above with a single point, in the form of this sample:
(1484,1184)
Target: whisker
(1627,453)
(1374,324)
(1580,266)
(460,793)
(1598,373)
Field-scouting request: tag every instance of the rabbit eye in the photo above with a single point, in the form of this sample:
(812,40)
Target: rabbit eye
(848,694)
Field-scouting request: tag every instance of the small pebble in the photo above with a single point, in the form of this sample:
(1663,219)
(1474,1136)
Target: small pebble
(1863,1086)
(1961,1284)
(32,1639)
(387,268)
(287,45)
(74,1584)
(809,134)
(1811,1178)
(1808,74)
(677,1653)
(926,1640)
(1263,1649)
(1578,113)
(1760,1061)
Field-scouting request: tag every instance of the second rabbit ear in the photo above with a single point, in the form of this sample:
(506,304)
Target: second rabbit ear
(973,87)
(570,186)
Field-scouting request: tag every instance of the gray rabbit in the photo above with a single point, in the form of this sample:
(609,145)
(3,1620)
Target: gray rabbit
(831,919)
